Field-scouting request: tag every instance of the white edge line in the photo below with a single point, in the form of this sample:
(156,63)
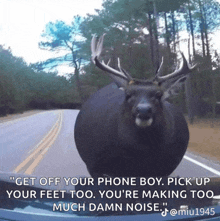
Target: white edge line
(203,165)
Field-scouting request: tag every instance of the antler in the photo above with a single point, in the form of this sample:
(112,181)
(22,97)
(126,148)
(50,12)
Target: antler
(96,52)
(159,71)
(122,77)
(183,70)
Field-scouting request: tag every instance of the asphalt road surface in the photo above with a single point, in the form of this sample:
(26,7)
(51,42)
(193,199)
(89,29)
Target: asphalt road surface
(43,145)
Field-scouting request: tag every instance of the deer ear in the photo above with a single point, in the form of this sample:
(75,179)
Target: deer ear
(174,89)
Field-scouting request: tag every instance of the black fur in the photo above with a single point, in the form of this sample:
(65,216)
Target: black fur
(111,144)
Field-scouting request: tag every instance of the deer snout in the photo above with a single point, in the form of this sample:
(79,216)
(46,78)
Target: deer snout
(143,111)
(143,115)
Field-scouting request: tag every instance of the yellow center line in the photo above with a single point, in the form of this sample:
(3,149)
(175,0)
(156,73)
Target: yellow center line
(38,153)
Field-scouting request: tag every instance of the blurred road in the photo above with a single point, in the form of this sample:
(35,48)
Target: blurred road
(43,145)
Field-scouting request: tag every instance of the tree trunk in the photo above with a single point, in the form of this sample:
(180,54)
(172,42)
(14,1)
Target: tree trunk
(192,31)
(177,37)
(130,49)
(151,39)
(206,38)
(79,86)
(189,93)
(167,37)
(202,29)
(157,54)
(214,100)
(202,39)
(189,54)
(174,31)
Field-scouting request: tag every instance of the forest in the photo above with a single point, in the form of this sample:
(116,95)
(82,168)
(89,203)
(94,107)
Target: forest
(140,33)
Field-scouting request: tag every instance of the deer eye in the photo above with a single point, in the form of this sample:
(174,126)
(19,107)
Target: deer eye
(128,96)
(158,94)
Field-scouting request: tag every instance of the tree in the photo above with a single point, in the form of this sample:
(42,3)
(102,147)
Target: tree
(66,39)
(140,32)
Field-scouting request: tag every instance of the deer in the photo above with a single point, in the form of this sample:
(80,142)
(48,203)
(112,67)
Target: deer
(129,128)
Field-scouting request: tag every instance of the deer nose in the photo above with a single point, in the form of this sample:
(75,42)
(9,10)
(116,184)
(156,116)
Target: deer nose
(144,111)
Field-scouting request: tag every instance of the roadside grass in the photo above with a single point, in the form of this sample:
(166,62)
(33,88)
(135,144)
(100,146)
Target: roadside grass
(16,116)
(205,138)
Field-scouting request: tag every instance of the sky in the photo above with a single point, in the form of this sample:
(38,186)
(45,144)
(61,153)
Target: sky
(22,22)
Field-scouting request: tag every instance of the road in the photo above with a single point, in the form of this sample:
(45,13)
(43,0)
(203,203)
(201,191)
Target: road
(43,145)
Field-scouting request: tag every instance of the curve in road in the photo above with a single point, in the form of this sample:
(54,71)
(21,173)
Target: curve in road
(27,147)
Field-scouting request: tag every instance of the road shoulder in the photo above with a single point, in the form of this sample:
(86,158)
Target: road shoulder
(10,117)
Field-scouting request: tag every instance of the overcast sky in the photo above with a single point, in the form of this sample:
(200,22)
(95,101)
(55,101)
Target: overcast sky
(22,22)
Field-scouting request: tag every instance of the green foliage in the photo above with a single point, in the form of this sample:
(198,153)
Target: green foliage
(23,88)
(57,37)
(60,36)
(132,34)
